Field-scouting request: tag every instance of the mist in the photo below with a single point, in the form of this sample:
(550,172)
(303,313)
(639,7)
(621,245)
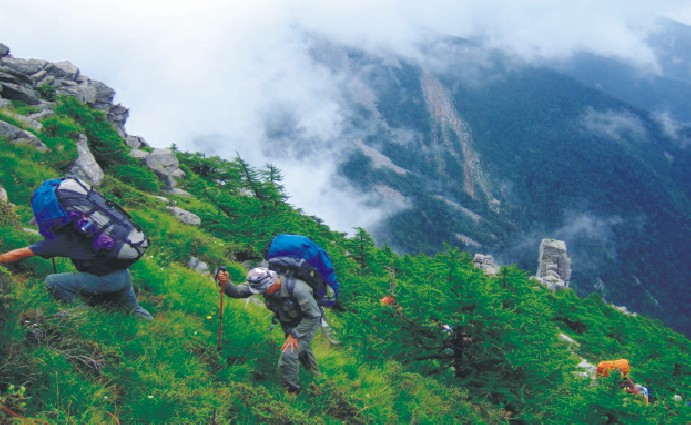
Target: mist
(230,77)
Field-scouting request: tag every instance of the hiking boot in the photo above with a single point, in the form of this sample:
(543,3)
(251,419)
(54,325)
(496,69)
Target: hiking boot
(142,313)
(326,330)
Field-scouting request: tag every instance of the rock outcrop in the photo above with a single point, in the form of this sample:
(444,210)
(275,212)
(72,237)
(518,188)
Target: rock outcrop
(86,167)
(28,79)
(38,82)
(185,216)
(3,195)
(166,165)
(554,269)
(20,136)
(486,263)
(198,265)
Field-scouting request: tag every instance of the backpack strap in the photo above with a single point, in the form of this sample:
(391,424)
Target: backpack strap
(289,287)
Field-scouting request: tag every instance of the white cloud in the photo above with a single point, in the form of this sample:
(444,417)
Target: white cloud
(207,75)
(616,125)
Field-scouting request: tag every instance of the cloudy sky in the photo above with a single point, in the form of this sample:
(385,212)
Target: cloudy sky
(205,75)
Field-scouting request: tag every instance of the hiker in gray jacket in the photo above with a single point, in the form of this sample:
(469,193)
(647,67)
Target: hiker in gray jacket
(296,310)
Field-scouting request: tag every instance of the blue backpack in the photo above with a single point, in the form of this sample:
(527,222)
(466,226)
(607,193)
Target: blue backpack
(298,256)
(58,203)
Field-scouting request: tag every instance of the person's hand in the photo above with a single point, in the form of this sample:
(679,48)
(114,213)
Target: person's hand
(16,255)
(291,343)
(223,278)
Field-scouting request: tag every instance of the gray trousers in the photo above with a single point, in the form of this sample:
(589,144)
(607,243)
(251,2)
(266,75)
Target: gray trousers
(289,362)
(115,287)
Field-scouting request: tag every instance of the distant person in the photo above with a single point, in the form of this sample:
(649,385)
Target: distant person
(298,313)
(643,392)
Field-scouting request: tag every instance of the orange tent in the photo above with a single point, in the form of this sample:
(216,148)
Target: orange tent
(606,366)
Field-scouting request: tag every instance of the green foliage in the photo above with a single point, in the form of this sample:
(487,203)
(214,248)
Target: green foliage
(138,176)
(104,142)
(502,361)
(47,92)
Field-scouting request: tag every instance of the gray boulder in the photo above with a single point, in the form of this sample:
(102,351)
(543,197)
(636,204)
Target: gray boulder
(20,92)
(9,76)
(24,66)
(554,268)
(65,70)
(198,265)
(86,93)
(185,216)
(164,162)
(486,264)
(86,167)
(117,115)
(4,50)
(138,153)
(136,142)
(20,136)
(104,94)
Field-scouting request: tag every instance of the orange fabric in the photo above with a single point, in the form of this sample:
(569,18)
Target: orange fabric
(387,301)
(275,287)
(605,367)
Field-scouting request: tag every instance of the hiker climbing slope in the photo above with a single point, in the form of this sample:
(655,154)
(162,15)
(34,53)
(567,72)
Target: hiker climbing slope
(296,310)
(78,223)
(300,256)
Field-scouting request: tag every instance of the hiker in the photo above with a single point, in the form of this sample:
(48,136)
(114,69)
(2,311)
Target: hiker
(297,312)
(300,256)
(98,279)
(627,385)
(643,391)
(78,223)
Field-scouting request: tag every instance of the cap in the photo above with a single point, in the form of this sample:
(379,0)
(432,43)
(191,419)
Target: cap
(261,278)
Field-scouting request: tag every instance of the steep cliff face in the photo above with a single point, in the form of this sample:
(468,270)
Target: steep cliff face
(449,132)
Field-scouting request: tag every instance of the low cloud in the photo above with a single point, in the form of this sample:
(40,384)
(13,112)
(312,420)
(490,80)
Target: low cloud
(614,124)
(673,129)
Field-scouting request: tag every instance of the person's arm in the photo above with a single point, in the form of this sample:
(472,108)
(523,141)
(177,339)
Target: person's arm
(16,255)
(239,291)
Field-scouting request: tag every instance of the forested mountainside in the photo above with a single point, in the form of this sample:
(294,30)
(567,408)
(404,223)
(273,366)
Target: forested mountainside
(491,155)
(456,347)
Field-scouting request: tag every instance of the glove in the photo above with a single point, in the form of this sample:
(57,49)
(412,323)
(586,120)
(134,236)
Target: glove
(222,278)
(291,343)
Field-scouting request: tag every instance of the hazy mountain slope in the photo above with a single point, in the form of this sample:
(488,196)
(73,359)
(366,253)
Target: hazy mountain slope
(497,155)
(663,90)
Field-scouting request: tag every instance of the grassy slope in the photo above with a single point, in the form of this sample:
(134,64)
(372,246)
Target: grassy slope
(90,365)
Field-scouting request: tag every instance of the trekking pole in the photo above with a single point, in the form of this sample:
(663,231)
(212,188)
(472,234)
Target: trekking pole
(222,289)
(55,269)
